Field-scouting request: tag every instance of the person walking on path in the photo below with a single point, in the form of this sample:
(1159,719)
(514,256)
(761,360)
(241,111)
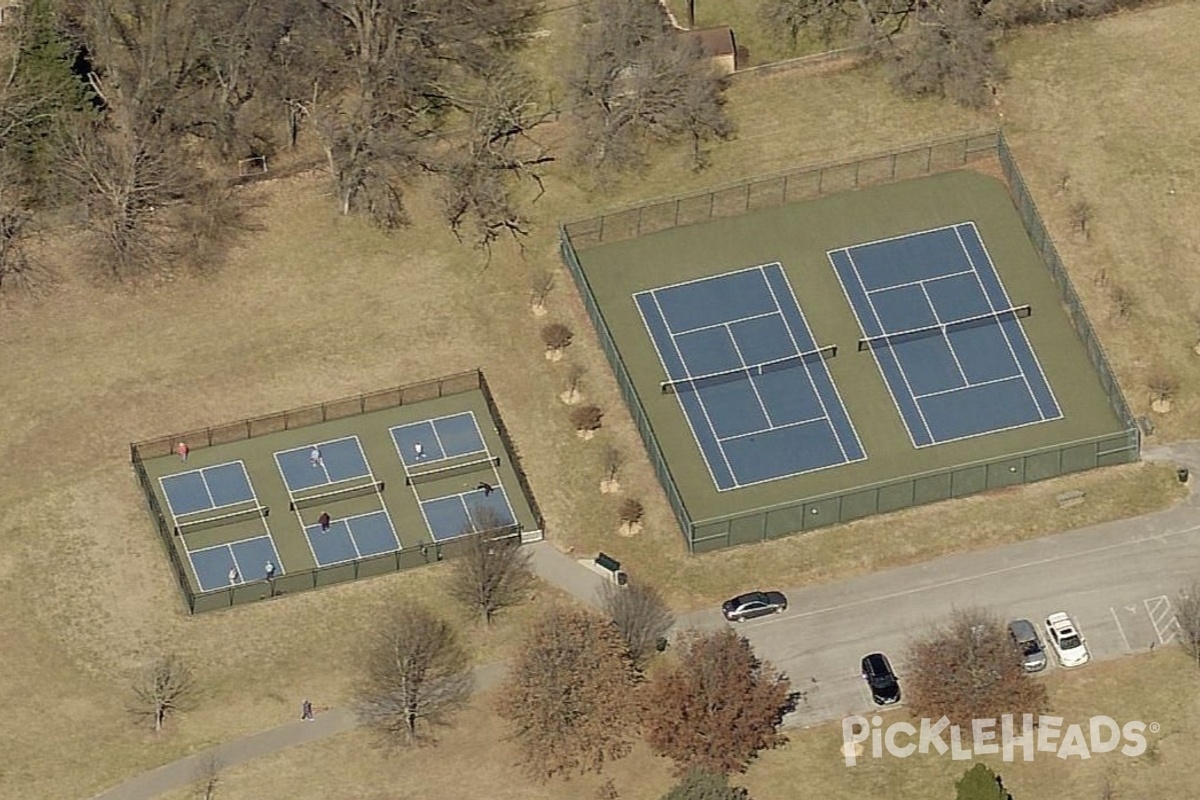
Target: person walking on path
(323,521)
(182,450)
(315,458)
(306,711)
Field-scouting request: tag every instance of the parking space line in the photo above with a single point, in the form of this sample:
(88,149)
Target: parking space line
(1162,617)
(1120,629)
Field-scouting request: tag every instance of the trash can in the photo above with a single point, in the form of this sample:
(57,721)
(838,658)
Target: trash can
(1182,473)
(622,578)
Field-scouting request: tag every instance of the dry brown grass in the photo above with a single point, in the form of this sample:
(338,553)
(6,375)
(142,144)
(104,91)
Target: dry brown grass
(315,307)
(475,760)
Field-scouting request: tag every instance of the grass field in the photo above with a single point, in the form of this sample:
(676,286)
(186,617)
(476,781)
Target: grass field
(475,761)
(324,307)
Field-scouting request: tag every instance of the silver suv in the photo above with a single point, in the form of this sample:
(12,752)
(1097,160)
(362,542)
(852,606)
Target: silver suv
(1025,638)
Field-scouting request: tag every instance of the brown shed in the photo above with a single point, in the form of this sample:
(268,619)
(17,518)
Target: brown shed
(718,44)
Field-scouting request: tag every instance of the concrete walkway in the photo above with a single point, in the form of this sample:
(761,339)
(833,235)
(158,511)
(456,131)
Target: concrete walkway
(568,574)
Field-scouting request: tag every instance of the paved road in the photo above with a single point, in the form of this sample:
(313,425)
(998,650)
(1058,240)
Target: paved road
(1117,580)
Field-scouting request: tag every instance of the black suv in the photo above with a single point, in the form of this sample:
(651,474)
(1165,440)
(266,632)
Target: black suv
(877,672)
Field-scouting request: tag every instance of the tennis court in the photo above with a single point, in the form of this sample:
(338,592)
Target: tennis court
(945,335)
(472,511)
(751,379)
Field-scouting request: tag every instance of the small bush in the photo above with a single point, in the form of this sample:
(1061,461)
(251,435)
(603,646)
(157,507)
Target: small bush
(556,336)
(586,418)
(1163,384)
(631,511)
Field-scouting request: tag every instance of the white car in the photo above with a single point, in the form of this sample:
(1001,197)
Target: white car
(1066,640)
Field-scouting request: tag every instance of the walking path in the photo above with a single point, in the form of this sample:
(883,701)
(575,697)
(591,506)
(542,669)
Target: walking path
(554,567)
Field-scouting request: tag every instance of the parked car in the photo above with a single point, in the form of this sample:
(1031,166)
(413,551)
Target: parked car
(1025,637)
(1066,640)
(877,672)
(753,604)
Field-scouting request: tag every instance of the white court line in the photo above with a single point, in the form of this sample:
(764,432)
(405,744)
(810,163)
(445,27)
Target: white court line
(776,428)
(909,235)
(895,357)
(1004,292)
(707,278)
(749,377)
(968,386)
(683,409)
(1000,323)
(379,495)
(726,324)
(919,282)
(699,400)
(808,372)
(836,393)
(946,337)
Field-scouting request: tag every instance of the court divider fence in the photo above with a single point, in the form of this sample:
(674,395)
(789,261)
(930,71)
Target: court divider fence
(301,580)
(804,514)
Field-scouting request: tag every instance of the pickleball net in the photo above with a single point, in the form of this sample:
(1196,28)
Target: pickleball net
(483,464)
(943,329)
(346,493)
(695,382)
(190,526)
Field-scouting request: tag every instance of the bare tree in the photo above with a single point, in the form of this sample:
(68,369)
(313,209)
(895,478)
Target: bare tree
(951,52)
(569,698)
(968,668)
(500,151)
(614,459)
(164,687)
(1082,214)
(829,19)
(208,777)
(638,81)
(418,674)
(492,571)
(640,614)
(1187,613)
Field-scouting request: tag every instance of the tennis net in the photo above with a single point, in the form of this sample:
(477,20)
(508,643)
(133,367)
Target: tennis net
(417,478)
(753,371)
(345,493)
(189,526)
(982,320)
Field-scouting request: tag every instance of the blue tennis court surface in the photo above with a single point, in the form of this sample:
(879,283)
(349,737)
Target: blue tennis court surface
(352,538)
(247,558)
(759,406)
(951,349)
(468,512)
(207,489)
(438,439)
(340,460)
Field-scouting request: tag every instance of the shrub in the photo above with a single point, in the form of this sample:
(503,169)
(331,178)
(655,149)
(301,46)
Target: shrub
(631,511)
(556,335)
(586,418)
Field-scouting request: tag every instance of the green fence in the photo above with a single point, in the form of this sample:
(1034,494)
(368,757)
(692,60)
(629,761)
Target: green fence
(781,188)
(1036,230)
(311,415)
(802,184)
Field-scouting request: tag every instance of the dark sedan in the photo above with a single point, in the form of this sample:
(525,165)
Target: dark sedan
(753,604)
(877,672)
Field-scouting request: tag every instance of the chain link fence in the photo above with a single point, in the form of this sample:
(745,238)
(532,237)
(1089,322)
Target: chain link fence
(744,197)
(300,580)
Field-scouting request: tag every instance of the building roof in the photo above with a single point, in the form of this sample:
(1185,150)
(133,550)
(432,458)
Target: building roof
(714,41)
